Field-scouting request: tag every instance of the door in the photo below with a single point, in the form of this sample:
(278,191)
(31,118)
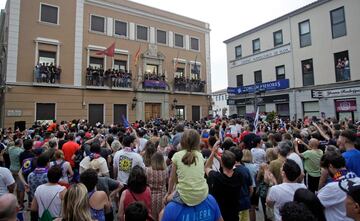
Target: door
(152,111)
(195,113)
(96,113)
(119,112)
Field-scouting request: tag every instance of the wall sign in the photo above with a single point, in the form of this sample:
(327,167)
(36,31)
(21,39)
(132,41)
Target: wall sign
(14,113)
(267,86)
(335,92)
(260,56)
(345,105)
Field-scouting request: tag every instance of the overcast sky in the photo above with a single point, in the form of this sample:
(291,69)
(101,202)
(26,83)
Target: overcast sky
(227,18)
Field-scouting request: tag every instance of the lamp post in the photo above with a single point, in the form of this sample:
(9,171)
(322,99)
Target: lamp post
(173,105)
(133,104)
(257,93)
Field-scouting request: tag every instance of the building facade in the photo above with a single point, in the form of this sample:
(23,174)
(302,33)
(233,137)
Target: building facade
(219,103)
(53,65)
(301,64)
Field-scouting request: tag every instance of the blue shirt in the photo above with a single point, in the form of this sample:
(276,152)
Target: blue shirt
(352,158)
(207,210)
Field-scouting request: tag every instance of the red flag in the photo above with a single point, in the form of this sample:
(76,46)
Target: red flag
(137,55)
(110,51)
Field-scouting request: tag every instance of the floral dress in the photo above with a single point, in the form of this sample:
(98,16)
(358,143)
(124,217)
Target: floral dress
(157,180)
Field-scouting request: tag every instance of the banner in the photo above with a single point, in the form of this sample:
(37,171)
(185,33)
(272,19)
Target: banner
(152,83)
(267,86)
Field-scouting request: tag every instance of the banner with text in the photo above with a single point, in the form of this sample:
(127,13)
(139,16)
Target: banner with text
(267,86)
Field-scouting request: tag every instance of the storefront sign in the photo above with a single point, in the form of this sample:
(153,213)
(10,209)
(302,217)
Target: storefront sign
(335,92)
(345,105)
(14,113)
(267,86)
(260,56)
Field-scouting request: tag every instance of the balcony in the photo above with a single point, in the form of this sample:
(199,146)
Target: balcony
(46,75)
(155,82)
(189,85)
(110,79)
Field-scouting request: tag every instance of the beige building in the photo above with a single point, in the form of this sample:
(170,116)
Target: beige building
(161,66)
(304,63)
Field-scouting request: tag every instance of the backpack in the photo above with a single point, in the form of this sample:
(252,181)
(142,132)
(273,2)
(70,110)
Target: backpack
(27,166)
(46,215)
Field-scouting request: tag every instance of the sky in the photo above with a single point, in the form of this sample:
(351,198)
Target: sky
(227,18)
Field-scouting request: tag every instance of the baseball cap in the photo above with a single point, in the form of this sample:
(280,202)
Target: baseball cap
(351,187)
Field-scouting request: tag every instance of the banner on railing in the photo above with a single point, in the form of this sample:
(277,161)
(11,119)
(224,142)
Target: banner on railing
(267,86)
(153,83)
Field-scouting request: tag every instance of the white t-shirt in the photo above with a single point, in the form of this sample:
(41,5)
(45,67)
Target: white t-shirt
(293,156)
(124,161)
(6,179)
(233,131)
(142,143)
(44,194)
(238,128)
(333,199)
(259,156)
(64,167)
(98,164)
(281,194)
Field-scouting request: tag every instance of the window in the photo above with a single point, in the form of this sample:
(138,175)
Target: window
(338,25)
(257,77)
(120,28)
(179,40)
(96,62)
(239,80)
(342,66)
(311,109)
(141,33)
(120,65)
(241,111)
(152,69)
(238,52)
(308,72)
(97,23)
(47,57)
(262,108)
(120,110)
(304,32)
(96,113)
(256,45)
(194,44)
(280,72)
(283,110)
(45,111)
(278,38)
(195,71)
(161,36)
(49,14)
(180,112)
(180,72)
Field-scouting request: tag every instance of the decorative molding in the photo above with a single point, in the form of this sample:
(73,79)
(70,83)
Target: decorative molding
(78,50)
(47,41)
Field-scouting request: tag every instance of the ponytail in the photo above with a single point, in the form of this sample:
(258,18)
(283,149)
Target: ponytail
(190,141)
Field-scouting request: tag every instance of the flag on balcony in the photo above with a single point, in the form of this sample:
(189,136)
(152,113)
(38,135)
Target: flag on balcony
(137,55)
(110,51)
(196,68)
(176,61)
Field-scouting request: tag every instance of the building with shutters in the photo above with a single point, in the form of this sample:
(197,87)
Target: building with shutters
(301,64)
(220,106)
(52,66)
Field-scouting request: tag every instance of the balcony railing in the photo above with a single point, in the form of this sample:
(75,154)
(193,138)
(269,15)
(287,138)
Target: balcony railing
(109,78)
(47,74)
(189,85)
(155,81)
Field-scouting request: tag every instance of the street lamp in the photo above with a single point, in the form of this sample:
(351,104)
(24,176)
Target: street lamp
(173,105)
(258,92)
(133,104)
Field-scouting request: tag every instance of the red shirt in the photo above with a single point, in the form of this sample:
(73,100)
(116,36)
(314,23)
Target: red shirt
(69,148)
(145,197)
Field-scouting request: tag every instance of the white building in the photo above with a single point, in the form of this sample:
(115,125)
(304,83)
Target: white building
(304,63)
(220,107)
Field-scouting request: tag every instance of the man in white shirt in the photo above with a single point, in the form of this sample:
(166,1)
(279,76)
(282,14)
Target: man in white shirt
(280,194)
(7,182)
(331,196)
(142,141)
(125,159)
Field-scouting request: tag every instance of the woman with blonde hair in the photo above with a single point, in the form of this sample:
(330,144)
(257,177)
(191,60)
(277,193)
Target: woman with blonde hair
(75,206)
(164,146)
(65,167)
(157,177)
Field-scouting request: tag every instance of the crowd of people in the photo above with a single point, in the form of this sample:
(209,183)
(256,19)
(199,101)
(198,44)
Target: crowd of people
(47,73)
(96,76)
(186,84)
(211,170)
(154,77)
